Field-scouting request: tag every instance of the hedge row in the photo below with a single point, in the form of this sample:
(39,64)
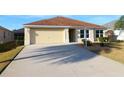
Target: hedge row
(7,46)
(10,45)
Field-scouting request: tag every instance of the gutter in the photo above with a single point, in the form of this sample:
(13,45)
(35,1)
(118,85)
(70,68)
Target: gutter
(73,27)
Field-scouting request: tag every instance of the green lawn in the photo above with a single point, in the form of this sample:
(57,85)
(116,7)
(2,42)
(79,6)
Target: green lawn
(115,51)
(6,56)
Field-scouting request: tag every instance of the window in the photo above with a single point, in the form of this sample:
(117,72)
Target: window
(87,33)
(99,33)
(81,33)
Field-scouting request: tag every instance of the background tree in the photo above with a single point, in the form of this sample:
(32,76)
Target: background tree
(120,23)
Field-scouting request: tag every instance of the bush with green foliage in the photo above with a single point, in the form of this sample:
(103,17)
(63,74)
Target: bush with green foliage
(89,43)
(7,46)
(104,40)
(10,45)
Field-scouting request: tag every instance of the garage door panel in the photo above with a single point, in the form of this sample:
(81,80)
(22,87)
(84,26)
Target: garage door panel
(47,36)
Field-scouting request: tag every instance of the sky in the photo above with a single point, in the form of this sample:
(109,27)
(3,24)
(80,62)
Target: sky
(16,21)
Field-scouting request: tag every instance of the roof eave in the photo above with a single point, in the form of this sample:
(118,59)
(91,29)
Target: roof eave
(53,26)
(46,26)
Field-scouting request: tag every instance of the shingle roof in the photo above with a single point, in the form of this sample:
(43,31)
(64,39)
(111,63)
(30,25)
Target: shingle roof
(4,28)
(63,21)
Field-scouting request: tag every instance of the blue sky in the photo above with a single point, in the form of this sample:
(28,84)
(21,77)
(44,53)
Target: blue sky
(16,21)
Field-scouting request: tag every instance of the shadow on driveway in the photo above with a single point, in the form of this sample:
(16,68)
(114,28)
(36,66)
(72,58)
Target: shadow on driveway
(60,54)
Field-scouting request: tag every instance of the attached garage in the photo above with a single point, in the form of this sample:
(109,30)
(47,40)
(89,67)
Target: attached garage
(47,35)
(58,30)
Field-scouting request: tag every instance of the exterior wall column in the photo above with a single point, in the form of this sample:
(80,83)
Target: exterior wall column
(85,37)
(92,35)
(78,39)
(66,31)
(104,33)
(27,36)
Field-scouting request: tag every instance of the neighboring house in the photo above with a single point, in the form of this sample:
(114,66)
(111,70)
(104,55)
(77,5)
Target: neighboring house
(121,35)
(118,33)
(6,35)
(61,30)
(110,25)
(19,34)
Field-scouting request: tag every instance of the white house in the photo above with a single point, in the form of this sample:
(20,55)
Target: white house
(118,33)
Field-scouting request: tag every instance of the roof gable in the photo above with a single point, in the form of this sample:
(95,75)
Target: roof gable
(63,21)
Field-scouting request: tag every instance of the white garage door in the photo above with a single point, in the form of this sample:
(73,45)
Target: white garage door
(39,36)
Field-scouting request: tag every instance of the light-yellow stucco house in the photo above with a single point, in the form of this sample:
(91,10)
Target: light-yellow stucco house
(6,35)
(61,30)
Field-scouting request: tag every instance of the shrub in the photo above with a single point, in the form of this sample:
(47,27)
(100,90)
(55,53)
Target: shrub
(101,39)
(89,43)
(104,41)
(7,46)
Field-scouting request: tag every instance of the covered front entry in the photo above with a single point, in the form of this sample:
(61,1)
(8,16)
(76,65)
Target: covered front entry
(72,35)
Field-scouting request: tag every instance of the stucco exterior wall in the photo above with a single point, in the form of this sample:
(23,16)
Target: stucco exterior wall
(78,36)
(47,35)
(27,36)
(6,36)
(91,35)
(54,35)
(66,35)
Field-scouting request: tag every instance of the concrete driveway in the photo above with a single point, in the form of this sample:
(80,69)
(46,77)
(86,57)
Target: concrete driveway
(61,60)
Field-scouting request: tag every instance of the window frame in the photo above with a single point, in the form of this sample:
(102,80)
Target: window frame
(81,34)
(87,33)
(99,33)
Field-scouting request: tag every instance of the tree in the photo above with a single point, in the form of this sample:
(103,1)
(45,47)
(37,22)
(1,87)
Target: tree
(120,23)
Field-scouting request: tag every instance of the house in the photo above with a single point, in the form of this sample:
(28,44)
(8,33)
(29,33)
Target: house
(6,35)
(61,30)
(118,33)
(121,35)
